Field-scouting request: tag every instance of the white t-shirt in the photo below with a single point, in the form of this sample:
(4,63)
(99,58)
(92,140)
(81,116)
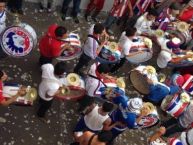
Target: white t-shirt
(49,84)
(125,43)
(143,25)
(91,45)
(2,21)
(164,57)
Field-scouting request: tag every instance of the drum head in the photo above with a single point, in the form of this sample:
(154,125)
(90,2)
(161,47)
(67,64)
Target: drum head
(139,82)
(71,53)
(75,93)
(16,41)
(148,121)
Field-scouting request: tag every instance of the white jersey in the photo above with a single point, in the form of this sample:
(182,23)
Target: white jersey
(2,21)
(94,120)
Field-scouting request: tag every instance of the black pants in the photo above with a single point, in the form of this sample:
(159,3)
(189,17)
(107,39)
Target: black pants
(15,4)
(118,65)
(44,60)
(172,126)
(43,107)
(83,61)
(75,9)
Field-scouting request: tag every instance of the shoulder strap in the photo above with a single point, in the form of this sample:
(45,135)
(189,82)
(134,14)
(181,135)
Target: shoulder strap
(187,141)
(92,36)
(97,79)
(91,138)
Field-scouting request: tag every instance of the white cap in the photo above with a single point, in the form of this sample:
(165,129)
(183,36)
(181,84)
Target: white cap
(163,58)
(135,104)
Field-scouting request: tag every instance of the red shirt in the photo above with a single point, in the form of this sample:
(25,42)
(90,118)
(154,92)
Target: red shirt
(49,45)
(119,8)
(1,93)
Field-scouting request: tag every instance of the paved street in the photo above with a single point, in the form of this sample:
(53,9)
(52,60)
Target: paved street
(22,126)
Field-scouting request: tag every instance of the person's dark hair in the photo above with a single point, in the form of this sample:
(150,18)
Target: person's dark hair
(60,68)
(107,107)
(3,1)
(1,74)
(103,68)
(60,31)
(105,136)
(153,12)
(175,6)
(130,31)
(98,28)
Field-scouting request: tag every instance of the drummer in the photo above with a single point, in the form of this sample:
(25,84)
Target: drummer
(144,22)
(51,45)
(126,43)
(49,87)
(180,124)
(92,46)
(3,101)
(168,48)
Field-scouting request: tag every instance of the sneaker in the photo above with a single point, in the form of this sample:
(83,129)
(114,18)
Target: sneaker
(41,10)
(63,17)
(76,20)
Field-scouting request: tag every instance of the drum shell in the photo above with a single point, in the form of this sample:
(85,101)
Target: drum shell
(175,107)
(9,91)
(138,78)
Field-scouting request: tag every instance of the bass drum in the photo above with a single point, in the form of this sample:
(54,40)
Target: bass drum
(18,41)
(74,51)
(149,121)
(140,45)
(138,78)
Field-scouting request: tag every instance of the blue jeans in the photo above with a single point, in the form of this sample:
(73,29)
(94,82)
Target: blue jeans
(75,9)
(110,21)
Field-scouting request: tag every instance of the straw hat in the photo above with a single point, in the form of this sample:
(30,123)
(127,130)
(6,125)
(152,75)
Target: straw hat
(149,106)
(120,82)
(113,46)
(182,26)
(159,33)
(150,69)
(148,42)
(73,79)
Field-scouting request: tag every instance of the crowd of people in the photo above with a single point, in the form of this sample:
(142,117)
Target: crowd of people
(146,25)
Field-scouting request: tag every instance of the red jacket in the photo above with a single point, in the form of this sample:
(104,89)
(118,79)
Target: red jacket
(49,45)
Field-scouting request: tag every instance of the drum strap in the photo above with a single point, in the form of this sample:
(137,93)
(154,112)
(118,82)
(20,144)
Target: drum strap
(91,138)
(92,36)
(187,141)
(97,79)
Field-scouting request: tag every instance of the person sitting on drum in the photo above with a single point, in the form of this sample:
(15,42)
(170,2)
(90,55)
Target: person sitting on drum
(180,124)
(3,100)
(51,45)
(167,51)
(144,22)
(49,87)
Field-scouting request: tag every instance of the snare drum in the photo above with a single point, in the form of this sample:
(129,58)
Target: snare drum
(109,54)
(140,45)
(76,87)
(18,41)
(74,51)
(138,78)
(174,105)
(10,90)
